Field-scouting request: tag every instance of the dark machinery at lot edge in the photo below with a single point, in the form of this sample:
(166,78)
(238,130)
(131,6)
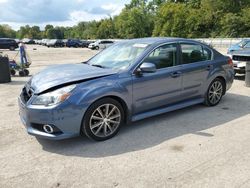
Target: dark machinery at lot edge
(6,43)
(4,69)
(129,81)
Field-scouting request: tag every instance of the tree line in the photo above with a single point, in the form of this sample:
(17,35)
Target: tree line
(145,18)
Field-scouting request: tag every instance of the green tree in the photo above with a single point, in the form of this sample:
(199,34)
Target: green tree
(6,31)
(171,20)
(106,29)
(133,23)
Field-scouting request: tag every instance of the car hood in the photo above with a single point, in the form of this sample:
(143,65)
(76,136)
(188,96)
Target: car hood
(242,52)
(60,75)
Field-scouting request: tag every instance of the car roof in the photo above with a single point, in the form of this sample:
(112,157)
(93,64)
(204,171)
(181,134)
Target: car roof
(154,40)
(6,39)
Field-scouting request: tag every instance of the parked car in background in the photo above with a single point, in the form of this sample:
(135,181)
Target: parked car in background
(73,43)
(86,43)
(55,43)
(65,41)
(129,81)
(244,44)
(38,41)
(240,58)
(100,44)
(7,43)
(28,41)
(17,41)
(44,42)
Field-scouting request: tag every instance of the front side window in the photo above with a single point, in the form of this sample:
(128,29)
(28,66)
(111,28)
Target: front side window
(163,56)
(192,53)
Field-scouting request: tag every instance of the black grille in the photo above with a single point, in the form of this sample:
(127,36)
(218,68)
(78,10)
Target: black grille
(26,94)
(241,58)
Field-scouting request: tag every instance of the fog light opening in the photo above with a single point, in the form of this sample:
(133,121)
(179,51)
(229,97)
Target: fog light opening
(48,129)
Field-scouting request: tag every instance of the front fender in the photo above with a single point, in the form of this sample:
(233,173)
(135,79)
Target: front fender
(93,90)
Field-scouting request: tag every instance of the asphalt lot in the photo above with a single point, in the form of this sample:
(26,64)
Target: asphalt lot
(194,147)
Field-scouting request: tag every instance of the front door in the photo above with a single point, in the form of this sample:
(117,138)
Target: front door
(161,88)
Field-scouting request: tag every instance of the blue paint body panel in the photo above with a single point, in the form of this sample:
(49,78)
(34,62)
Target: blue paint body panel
(144,96)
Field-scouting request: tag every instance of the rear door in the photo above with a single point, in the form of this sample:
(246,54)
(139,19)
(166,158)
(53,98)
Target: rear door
(196,66)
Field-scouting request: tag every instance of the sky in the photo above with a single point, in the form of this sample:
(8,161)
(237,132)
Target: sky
(17,13)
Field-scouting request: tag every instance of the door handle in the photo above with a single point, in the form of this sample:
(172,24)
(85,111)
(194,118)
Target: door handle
(209,67)
(175,74)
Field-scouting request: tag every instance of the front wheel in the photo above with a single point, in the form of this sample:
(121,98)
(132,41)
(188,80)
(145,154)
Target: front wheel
(103,119)
(214,92)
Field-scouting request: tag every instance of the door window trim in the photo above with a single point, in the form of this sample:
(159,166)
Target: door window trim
(178,62)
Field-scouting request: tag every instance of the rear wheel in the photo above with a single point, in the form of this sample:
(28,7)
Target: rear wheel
(97,47)
(214,92)
(103,119)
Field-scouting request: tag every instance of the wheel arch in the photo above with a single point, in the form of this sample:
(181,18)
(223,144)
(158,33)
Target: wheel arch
(114,97)
(224,83)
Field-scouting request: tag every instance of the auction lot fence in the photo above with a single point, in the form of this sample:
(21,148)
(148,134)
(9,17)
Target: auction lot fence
(220,42)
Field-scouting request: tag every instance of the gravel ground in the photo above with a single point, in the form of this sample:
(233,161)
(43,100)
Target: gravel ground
(194,147)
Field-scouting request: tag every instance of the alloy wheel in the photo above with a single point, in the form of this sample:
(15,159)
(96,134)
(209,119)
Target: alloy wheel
(215,92)
(105,120)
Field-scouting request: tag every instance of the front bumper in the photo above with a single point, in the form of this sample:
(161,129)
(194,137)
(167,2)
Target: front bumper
(64,118)
(239,67)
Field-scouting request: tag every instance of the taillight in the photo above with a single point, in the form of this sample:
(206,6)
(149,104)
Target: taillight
(230,62)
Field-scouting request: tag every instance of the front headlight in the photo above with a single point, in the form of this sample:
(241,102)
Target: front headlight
(54,97)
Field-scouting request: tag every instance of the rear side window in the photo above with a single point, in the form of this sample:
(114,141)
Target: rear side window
(192,53)
(163,56)
(207,54)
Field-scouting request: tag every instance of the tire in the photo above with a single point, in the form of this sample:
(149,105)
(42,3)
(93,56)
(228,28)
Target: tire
(12,48)
(215,92)
(26,72)
(12,72)
(21,73)
(97,47)
(98,124)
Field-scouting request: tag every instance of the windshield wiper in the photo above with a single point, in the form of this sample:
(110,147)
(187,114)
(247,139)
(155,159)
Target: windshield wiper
(96,65)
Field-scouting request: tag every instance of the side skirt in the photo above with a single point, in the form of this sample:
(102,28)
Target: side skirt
(167,109)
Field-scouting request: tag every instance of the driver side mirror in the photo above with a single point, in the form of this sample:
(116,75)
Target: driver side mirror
(146,68)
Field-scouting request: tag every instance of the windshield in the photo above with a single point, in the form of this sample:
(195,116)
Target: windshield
(118,56)
(242,43)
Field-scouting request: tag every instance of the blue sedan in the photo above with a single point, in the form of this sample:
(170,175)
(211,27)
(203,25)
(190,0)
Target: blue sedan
(129,81)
